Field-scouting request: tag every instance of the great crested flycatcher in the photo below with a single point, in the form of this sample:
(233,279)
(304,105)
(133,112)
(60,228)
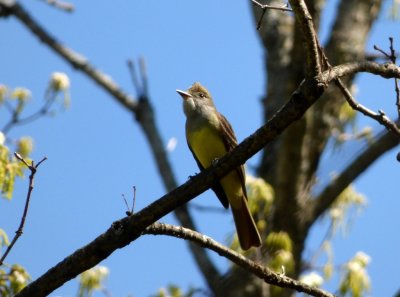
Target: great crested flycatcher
(210,136)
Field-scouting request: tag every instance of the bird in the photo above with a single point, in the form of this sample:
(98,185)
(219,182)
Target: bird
(210,136)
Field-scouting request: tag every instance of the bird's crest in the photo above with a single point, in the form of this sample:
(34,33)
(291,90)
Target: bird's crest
(197,88)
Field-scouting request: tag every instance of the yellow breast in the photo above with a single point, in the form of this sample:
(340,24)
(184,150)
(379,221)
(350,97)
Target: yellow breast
(206,144)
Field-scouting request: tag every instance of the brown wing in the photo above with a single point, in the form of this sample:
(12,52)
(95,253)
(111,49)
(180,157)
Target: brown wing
(217,188)
(228,135)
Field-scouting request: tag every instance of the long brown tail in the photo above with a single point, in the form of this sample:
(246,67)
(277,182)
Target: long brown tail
(245,226)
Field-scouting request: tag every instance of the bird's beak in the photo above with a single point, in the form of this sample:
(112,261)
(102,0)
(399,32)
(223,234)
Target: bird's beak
(185,95)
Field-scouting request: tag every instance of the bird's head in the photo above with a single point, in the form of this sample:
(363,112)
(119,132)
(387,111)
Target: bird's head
(196,99)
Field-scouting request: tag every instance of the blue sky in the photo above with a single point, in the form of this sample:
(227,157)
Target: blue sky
(96,151)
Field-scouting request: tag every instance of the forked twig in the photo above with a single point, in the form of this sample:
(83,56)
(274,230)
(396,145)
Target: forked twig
(392,57)
(264,7)
(33,168)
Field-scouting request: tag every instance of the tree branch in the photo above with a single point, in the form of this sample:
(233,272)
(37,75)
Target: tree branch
(61,5)
(260,271)
(380,117)
(264,8)
(386,70)
(50,99)
(310,39)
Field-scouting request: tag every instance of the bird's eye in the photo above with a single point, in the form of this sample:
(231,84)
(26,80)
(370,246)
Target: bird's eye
(201,95)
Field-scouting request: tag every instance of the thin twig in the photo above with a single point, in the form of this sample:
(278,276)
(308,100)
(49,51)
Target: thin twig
(44,110)
(134,199)
(130,211)
(264,7)
(141,87)
(33,168)
(392,57)
(396,81)
(64,6)
(380,116)
(134,78)
(284,7)
(260,271)
(144,77)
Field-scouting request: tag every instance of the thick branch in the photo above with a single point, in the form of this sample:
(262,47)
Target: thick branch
(260,271)
(384,143)
(124,231)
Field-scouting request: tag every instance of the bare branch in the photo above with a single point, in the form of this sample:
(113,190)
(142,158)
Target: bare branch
(64,6)
(33,168)
(260,271)
(387,70)
(392,57)
(15,119)
(264,7)
(310,39)
(379,117)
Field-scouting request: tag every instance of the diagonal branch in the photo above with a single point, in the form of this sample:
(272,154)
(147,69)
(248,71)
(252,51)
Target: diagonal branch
(380,117)
(260,271)
(384,143)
